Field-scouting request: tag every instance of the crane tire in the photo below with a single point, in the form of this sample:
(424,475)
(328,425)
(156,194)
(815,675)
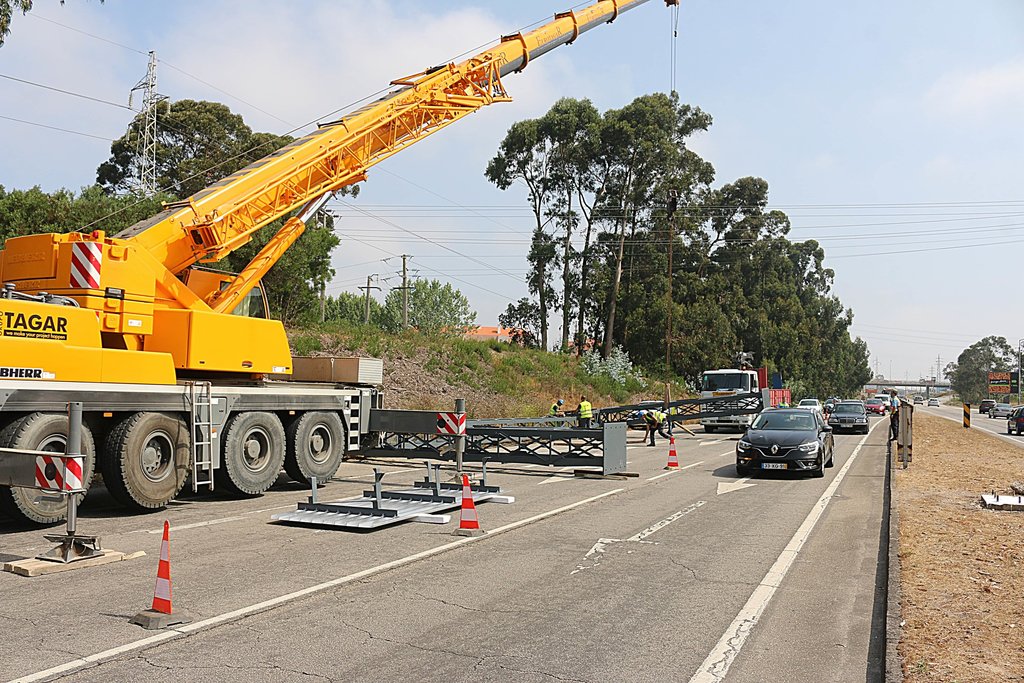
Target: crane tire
(316,446)
(42,432)
(254,446)
(146,460)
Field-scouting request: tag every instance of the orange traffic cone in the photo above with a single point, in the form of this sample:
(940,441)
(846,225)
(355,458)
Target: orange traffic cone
(162,591)
(161,615)
(469,524)
(673,459)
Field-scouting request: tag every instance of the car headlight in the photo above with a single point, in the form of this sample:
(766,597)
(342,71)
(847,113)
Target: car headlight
(742,446)
(810,447)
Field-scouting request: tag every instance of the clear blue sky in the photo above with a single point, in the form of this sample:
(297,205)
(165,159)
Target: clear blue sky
(881,127)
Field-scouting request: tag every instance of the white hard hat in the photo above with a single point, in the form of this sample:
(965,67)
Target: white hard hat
(642,413)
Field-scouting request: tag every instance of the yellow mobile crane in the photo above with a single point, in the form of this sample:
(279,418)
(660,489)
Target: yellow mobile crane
(158,347)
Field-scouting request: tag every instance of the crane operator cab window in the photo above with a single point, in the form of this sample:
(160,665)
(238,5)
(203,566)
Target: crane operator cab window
(253,305)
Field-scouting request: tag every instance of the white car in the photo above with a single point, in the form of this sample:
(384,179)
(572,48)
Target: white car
(810,404)
(933,403)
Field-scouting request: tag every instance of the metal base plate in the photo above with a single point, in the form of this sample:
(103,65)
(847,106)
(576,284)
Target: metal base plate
(363,513)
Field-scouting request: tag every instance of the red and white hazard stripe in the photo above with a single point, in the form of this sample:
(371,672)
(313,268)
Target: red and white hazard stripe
(86,261)
(59,473)
(451,423)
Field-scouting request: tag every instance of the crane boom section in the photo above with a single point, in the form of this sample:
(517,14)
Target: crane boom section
(217,220)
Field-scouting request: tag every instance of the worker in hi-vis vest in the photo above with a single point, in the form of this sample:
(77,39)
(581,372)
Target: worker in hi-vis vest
(654,421)
(556,408)
(585,411)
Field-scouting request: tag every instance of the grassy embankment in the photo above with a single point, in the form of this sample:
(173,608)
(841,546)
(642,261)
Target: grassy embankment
(497,379)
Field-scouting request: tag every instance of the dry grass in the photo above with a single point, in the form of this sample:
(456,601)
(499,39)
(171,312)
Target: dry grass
(962,566)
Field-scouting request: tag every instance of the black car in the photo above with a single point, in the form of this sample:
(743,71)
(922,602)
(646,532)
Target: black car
(849,415)
(986,405)
(787,439)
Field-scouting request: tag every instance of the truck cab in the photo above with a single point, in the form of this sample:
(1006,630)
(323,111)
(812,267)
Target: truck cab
(728,382)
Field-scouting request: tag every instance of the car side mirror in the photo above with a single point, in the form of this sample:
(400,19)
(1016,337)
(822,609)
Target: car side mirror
(826,428)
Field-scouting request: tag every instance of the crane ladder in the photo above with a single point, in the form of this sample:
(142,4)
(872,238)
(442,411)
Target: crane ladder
(202,435)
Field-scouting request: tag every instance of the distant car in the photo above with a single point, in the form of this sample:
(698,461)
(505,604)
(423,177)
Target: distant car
(875,406)
(811,403)
(849,415)
(1000,410)
(933,403)
(918,400)
(1015,421)
(886,401)
(985,405)
(789,439)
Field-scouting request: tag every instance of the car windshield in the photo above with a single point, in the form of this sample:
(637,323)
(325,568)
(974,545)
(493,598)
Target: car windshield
(874,402)
(809,402)
(1003,406)
(852,408)
(793,421)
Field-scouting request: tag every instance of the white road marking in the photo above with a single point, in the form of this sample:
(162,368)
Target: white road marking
(595,552)
(658,526)
(196,525)
(553,479)
(717,663)
(673,471)
(738,485)
(184,630)
(276,507)
(708,443)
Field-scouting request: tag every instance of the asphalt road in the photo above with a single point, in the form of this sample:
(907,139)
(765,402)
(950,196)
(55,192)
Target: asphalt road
(690,575)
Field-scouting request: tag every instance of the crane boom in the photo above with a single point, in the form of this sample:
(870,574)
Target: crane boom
(218,219)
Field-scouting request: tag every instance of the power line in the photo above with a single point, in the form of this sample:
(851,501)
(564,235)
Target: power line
(63,130)
(36,15)
(434,242)
(66,92)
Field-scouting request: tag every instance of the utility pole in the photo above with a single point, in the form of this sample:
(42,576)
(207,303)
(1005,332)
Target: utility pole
(147,143)
(405,291)
(366,308)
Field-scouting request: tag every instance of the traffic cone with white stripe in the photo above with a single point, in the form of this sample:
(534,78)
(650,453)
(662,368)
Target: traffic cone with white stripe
(469,524)
(673,459)
(161,615)
(162,591)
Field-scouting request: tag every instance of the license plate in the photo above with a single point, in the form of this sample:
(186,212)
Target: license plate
(773,466)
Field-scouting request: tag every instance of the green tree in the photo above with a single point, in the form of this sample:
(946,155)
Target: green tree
(349,307)
(969,374)
(7,10)
(434,307)
(197,144)
(32,211)
(523,318)
(525,155)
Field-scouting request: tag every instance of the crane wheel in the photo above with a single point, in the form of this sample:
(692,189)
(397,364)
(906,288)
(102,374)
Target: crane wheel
(146,459)
(316,446)
(42,432)
(254,445)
